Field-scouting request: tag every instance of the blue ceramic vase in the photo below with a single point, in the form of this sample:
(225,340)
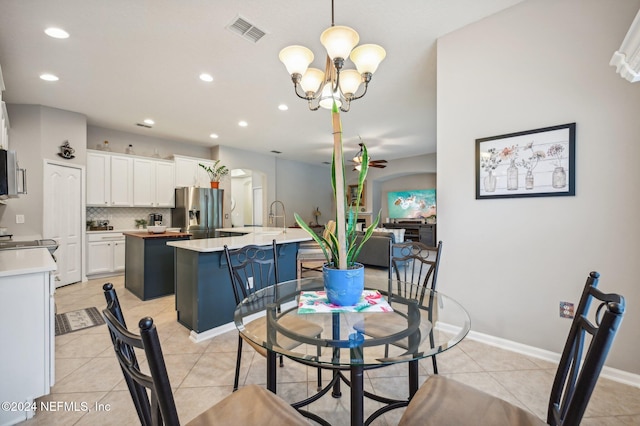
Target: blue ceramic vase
(344,286)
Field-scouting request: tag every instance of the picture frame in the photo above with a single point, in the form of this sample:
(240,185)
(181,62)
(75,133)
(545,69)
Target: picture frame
(533,163)
(352,194)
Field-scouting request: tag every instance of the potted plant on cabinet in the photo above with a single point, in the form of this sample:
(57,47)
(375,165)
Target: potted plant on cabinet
(343,276)
(215,172)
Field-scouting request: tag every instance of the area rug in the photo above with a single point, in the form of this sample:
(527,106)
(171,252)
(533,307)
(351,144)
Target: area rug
(77,320)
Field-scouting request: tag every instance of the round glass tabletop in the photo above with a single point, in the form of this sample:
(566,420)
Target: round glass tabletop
(395,322)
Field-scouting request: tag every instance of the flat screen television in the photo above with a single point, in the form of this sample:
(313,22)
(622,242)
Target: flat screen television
(414,204)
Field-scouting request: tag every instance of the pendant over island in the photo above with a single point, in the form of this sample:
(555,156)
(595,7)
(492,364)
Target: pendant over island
(204,297)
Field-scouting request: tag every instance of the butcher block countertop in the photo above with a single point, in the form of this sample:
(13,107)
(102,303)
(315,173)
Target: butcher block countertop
(146,234)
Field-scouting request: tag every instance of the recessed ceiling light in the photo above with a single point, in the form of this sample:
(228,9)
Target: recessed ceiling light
(283,107)
(243,123)
(206,77)
(213,136)
(56,33)
(149,121)
(49,77)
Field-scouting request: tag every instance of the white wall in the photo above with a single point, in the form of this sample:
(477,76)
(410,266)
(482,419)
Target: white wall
(36,133)
(510,261)
(143,145)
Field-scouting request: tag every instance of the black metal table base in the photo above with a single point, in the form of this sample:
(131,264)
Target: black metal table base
(356,383)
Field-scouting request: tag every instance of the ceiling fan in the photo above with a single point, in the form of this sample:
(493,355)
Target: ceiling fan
(357,160)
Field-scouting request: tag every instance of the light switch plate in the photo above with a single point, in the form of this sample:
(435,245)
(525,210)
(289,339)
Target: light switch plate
(19,218)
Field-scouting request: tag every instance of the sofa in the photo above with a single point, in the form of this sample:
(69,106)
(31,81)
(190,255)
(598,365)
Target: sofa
(375,252)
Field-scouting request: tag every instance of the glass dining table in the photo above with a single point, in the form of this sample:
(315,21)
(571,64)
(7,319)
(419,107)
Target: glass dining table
(396,322)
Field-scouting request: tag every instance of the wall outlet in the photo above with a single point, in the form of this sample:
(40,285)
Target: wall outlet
(566,310)
(19,218)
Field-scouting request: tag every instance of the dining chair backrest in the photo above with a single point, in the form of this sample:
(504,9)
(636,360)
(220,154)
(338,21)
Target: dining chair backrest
(577,374)
(252,268)
(157,407)
(415,263)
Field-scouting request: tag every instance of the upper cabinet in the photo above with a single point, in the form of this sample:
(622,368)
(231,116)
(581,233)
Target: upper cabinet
(109,180)
(189,173)
(153,183)
(98,179)
(115,180)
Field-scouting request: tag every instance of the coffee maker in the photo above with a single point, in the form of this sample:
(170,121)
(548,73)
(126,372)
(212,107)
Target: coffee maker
(155,219)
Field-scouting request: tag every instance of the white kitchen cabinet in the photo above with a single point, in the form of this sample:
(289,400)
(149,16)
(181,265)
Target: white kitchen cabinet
(98,179)
(105,253)
(189,172)
(121,181)
(165,184)
(27,361)
(153,183)
(144,182)
(109,180)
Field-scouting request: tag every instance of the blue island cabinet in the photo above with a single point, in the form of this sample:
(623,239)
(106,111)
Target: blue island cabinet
(204,297)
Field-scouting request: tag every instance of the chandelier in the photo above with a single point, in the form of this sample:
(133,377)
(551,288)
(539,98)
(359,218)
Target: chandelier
(321,89)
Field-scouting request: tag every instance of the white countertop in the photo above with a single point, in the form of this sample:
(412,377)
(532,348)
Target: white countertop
(27,261)
(256,235)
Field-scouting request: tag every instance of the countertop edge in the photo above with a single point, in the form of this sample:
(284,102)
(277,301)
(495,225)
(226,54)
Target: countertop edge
(26,261)
(255,235)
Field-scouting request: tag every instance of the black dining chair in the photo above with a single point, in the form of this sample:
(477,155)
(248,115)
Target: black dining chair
(441,400)
(252,268)
(414,263)
(251,405)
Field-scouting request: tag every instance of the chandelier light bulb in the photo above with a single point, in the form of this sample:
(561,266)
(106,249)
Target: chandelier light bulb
(296,59)
(311,80)
(367,57)
(339,41)
(350,81)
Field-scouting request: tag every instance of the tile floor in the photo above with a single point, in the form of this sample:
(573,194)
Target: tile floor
(201,374)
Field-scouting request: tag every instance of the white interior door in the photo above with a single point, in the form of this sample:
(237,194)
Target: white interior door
(257,206)
(63,219)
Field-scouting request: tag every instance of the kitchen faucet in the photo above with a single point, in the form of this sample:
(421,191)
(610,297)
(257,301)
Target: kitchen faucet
(273,218)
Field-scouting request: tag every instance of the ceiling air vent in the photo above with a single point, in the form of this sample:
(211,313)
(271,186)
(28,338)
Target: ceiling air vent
(245,29)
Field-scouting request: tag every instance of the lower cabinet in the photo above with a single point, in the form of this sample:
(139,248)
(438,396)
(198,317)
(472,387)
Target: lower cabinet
(27,360)
(105,253)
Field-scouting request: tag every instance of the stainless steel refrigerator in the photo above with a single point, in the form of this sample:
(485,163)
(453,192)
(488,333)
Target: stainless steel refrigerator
(198,211)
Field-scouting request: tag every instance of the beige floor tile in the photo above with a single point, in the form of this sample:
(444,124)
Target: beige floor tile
(64,409)
(115,409)
(217,369)
(495,359)
(101,374)
(531,387)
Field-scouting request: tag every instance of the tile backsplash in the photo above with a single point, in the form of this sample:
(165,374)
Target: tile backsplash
(124,217)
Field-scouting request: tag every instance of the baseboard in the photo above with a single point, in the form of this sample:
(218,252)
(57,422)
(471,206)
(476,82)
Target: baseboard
(614,374)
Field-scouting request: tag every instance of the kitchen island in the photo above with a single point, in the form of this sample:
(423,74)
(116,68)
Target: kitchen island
(149,267)
(204,297)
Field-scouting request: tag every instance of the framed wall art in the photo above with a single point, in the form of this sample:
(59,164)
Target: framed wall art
(352,195)
(533,163)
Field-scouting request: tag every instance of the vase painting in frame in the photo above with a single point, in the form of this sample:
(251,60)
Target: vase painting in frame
(533,163)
